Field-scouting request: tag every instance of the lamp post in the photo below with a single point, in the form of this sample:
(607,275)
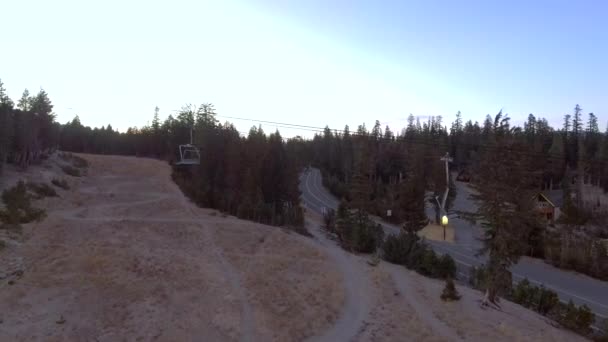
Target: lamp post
(444,224)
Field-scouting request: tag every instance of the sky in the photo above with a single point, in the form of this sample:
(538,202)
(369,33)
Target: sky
(312,62)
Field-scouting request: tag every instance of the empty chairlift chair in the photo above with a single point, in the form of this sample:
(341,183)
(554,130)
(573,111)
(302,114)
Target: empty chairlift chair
(189,154)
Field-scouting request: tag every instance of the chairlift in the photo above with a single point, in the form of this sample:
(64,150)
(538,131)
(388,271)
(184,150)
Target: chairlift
(189,154)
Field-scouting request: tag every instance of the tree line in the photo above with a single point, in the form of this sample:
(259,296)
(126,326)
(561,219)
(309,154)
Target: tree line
(27,129)
(559,155)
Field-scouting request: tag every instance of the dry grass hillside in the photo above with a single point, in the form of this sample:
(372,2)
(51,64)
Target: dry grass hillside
(123,256)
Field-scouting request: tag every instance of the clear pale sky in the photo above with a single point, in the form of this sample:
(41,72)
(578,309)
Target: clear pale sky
(310,62)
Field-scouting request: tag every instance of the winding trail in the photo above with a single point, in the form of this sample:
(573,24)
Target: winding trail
(403,282)
(357,302)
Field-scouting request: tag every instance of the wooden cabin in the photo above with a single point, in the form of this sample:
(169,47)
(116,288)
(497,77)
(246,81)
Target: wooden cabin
(549,204)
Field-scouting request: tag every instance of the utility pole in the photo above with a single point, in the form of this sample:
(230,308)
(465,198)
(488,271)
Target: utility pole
(444,219)
(447,160)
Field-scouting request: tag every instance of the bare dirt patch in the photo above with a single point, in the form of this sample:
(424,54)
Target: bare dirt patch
(124,256)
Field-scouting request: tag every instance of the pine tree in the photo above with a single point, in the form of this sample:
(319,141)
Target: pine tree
(4,99)
(577,122)
(458,123)
(530,127)
(412,193)
(504,191)
(487,126)
(388,134)
(361,187)
(6,126)
(592,125)
(24,101)
(411,125)
(156,120)
(377,131)
(567,124)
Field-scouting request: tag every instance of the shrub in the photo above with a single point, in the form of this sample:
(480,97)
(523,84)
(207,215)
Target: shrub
(397,248)
(329,221)
(357,232)
(416,256)
(42,189)
(547,301)
(539,299)
(428,266)
(368,236)
(568,316)
(522,293)
(446,267)
(407,249)
(18,206)
(584,319)
(71,171)
(61,183)
(449,291)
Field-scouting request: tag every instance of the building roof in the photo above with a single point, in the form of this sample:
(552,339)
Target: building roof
(556,197)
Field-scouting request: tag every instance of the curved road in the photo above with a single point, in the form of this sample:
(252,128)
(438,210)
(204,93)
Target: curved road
(568,285)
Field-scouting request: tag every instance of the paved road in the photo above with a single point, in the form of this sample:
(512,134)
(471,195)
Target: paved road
(568,285)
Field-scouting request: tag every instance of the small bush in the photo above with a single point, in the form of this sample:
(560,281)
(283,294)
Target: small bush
(397,248)
(446,267)
(61,183)
(409,250)
(18,206)
(547,301)
(584,319)
(357,232)
(416,256)
(329,221)
(539,299)
(42,190)
(522,293)
(71,171)
(367,236)
(449,291)
(428,266)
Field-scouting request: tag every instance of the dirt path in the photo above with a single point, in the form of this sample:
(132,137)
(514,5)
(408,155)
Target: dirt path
(356,307)
(247,319)
(411,297)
